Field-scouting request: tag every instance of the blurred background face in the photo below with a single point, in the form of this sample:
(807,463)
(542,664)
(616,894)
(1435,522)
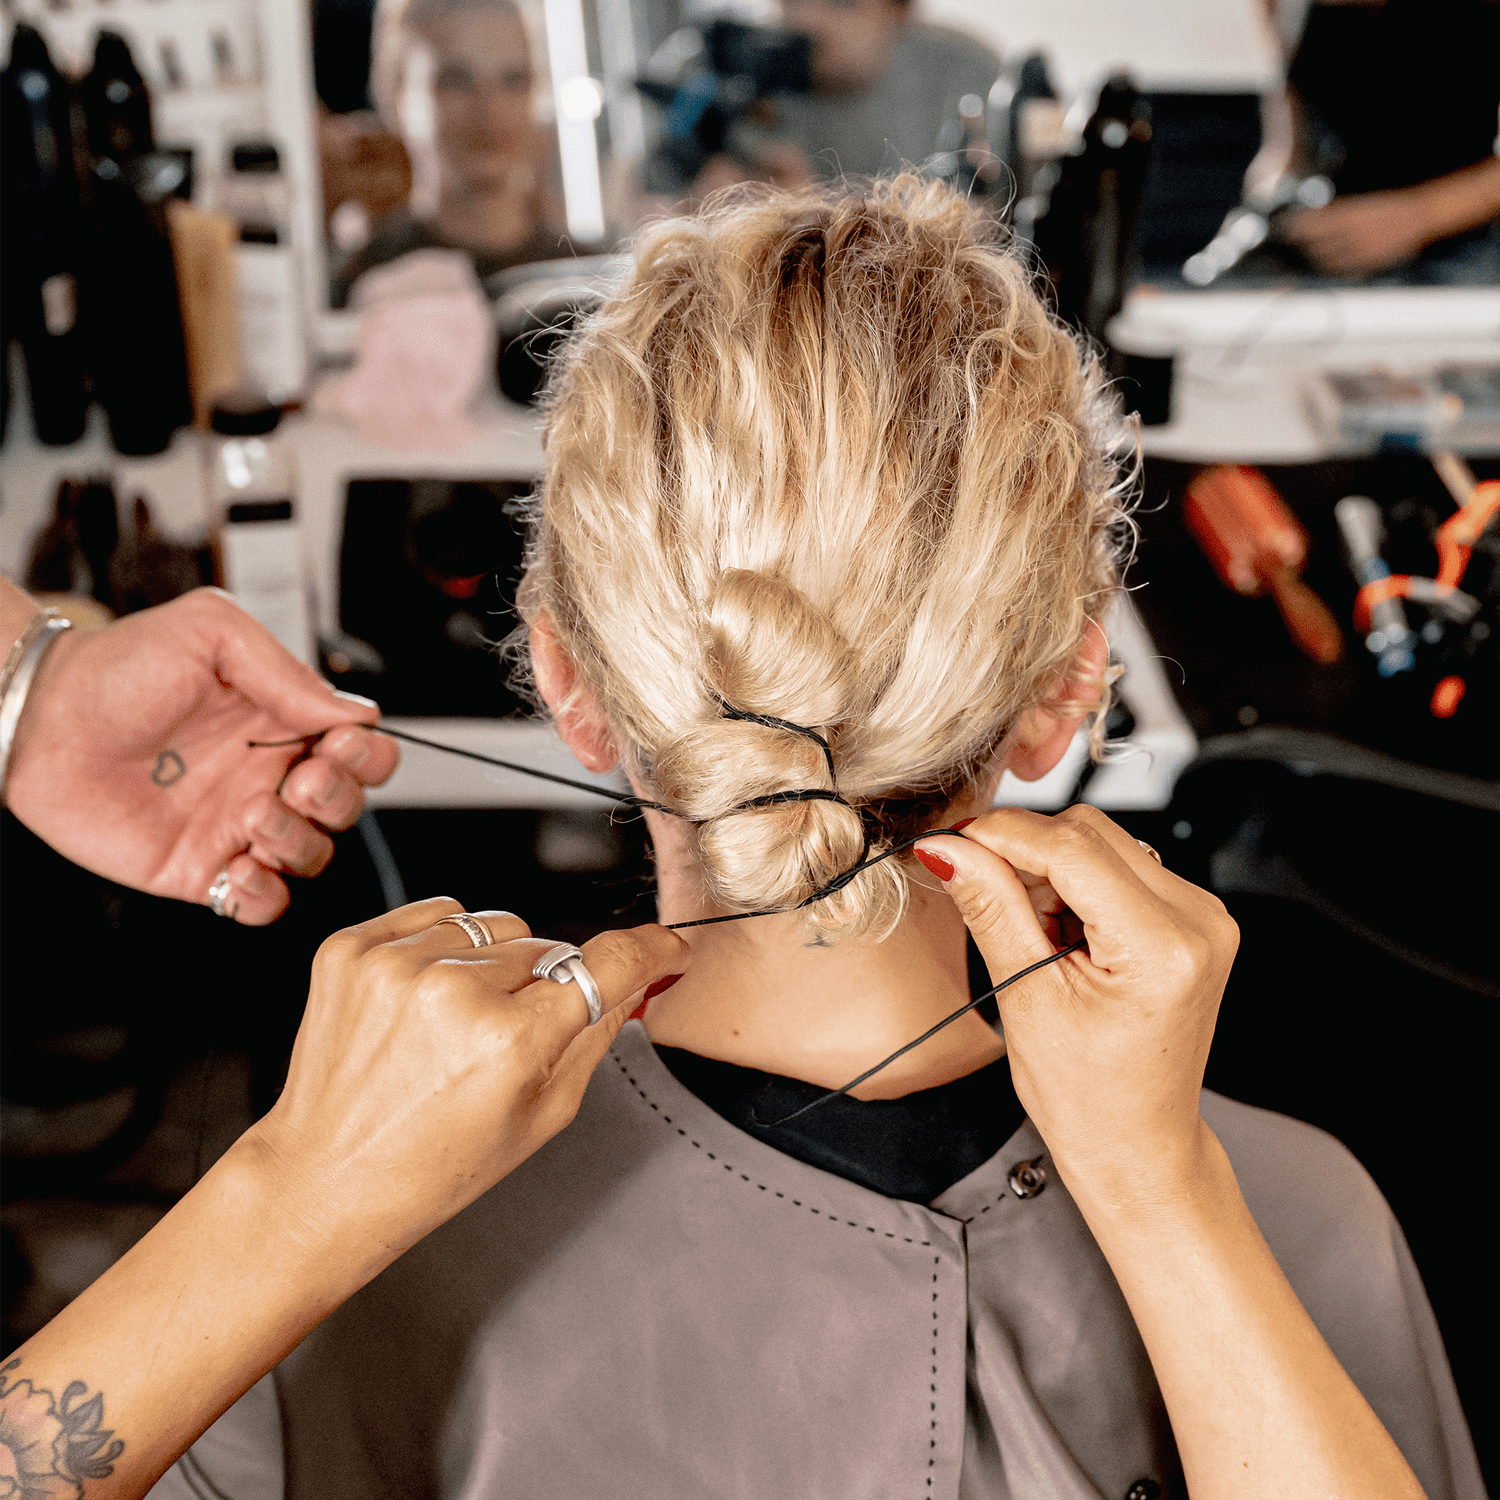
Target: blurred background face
(482,85)
(852,39)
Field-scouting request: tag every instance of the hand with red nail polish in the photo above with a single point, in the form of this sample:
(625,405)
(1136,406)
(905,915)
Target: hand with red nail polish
(1108,1046)
(1107,1050)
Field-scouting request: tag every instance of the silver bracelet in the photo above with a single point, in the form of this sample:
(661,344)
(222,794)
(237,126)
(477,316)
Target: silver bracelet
(19,673)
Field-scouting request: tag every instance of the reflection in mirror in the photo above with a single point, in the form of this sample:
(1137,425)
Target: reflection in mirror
(457,124)
(527,131)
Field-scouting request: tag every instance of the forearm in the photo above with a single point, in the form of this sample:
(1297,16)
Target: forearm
(1460,200)
(1258,1402)
(170,1336)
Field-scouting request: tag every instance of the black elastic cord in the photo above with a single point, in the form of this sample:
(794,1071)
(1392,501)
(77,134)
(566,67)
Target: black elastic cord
(795,794)
(932,1031)
(823,891)
(866,860)
(625,799)
(728,711)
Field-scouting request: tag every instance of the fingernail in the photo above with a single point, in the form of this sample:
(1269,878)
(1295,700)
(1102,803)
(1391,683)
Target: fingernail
(274,824)
(327,788)
(942,868)
(252,883)
(355,698)
(963,823)
(664,983)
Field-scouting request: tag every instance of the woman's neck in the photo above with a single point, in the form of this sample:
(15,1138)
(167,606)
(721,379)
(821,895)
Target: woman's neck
(763,994)
(494,218)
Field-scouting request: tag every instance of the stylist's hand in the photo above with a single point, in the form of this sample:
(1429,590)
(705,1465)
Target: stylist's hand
(426,1068)
(1108,1045)
(131,758)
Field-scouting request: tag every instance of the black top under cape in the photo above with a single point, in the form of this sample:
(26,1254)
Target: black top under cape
(914,1147)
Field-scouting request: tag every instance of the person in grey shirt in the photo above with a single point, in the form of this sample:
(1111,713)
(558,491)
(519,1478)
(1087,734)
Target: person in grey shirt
(887,89)
(889,92)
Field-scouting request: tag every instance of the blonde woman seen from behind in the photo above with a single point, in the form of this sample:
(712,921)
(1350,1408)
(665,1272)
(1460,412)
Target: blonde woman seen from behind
(827,525)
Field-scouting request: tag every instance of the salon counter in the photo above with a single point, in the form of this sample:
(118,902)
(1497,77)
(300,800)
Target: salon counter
(1245,361)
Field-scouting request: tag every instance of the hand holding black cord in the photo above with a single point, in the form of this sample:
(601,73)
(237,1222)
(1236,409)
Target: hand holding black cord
(1107,1047)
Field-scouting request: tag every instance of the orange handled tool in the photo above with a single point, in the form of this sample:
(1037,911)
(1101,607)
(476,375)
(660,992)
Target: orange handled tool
(1257,546)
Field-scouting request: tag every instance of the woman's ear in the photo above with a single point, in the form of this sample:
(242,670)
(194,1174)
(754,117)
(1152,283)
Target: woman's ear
(1043,733)
(581,724)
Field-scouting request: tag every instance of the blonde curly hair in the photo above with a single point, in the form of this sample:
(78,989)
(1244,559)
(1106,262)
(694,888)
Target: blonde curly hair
(823,457)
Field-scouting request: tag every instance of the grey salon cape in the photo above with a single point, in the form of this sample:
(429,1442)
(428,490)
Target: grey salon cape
(656,1304)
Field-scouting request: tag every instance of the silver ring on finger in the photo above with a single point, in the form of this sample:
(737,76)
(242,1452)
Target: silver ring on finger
(478,933)
(564,965)
(218,894)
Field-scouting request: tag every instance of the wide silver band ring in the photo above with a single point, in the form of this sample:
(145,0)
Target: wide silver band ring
(564,965)
(478,933)
(218,894)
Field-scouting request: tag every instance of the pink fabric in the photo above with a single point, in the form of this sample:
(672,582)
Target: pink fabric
(426,342)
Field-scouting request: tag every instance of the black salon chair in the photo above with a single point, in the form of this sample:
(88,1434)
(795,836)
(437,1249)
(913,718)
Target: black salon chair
(1363,996)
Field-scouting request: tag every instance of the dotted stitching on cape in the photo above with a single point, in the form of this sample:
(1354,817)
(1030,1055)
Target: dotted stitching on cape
(795,1202)
(937,1261)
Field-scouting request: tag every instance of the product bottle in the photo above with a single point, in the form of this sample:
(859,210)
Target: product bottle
(40,234)
(251,486)
(272,336)
(128,282)
(1027,135)
(1086,239)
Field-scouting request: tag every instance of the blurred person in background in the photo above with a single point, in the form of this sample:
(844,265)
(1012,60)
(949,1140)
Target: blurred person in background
(886,93)
(1397,103)
(457,80)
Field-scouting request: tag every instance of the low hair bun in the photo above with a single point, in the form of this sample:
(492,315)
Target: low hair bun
(773,858)
(769,650)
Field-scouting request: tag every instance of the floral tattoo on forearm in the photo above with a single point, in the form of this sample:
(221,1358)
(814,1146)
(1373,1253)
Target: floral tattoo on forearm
(48,1448)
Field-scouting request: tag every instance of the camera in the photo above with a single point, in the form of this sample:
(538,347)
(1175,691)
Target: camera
(712,82)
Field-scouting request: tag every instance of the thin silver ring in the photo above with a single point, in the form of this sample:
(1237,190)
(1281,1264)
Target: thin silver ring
(478,933)
(564,965)
(218,894)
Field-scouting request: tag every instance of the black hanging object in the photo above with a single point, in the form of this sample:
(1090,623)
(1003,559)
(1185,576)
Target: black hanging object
(40,237)
(128,283)
(1087,237)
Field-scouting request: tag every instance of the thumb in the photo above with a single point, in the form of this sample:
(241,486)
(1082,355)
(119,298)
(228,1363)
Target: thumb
(990,898)
(248,658)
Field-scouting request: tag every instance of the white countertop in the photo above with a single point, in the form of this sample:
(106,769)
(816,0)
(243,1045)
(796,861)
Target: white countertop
(1243,358)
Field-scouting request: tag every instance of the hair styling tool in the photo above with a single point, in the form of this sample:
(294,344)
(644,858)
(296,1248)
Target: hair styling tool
(1257,546)
(1378,608)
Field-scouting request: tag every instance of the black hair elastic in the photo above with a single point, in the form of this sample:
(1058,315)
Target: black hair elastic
(728,711)
(795,794)
(810,794)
